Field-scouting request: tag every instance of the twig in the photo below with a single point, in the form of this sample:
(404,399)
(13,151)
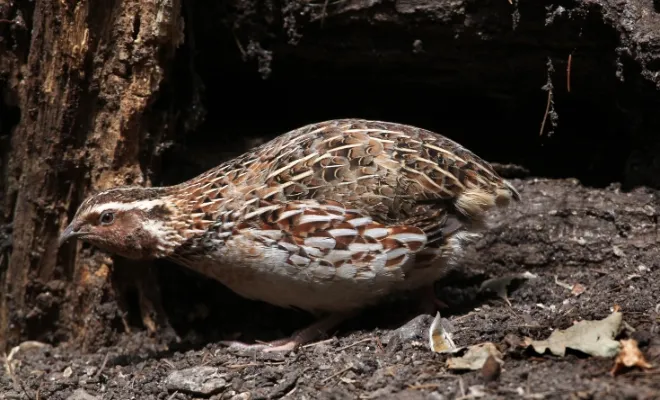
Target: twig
(563,284)
(173,394)
(323,11)
(380,345)
(420,386)
(105,361)
(568,72)
(290,392)
(462,386)
(348,368)
(241,366)
(318,343)
(253,364)
(238,44)
(547,111)
(30,344)
(10,371)
(18,384)
(369,339)
(204,359)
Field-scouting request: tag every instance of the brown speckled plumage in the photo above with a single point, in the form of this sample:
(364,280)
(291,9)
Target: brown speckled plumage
(330,217)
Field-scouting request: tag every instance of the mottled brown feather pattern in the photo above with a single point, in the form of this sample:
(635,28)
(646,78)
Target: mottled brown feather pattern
(330,216)
(385,169)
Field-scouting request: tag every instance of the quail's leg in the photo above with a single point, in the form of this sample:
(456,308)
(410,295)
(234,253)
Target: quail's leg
(429,302)
(299,338)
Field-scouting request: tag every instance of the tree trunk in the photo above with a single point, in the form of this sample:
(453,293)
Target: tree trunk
(86,95)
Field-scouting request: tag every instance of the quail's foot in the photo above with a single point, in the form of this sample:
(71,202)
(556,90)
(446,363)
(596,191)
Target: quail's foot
(299,338)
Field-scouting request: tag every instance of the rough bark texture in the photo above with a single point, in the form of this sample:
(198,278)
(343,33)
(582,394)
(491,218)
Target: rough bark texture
(94,92)
(86,94)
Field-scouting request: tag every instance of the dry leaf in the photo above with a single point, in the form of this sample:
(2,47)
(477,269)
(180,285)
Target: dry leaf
(595,338)
(475,357)
(440,340)
(629,356)
(491,369)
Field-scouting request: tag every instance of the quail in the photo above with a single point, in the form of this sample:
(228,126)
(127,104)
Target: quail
(328,218)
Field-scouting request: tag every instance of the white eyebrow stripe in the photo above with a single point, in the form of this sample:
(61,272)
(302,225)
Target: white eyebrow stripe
(144,205)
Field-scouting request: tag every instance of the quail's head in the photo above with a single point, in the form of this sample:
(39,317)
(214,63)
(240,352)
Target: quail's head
(136,223)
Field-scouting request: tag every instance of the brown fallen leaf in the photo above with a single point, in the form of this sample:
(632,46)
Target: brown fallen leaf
(475,357)
(491,369)
(629,356)
(440,340)
(595,338)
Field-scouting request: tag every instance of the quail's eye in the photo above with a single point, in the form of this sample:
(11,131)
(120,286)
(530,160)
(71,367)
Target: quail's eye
(107,218)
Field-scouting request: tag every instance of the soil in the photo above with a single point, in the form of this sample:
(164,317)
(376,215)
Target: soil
(604,239)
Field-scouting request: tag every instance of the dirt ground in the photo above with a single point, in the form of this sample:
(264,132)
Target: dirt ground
(603,239)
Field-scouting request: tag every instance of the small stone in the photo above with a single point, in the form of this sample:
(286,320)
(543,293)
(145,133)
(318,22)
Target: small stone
(617,251)
(80,394)
(242,396)
(67,372)
(197,380)
(416,329)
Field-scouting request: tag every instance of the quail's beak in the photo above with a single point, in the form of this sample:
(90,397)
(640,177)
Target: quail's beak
(71,231)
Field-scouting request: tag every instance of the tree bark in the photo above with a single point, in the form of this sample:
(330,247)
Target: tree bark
(87,122)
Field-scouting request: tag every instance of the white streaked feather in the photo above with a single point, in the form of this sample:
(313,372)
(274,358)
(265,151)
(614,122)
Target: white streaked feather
(396,253)
(299,261)
(305,219)
(290,247)
(335,208)
(313,251)
(360,221)
(144,205)
(261,210)
(289,214)
(347,271)
(321,242)
(376,233)
(338,255)
(274,234)
(409,237)
(364,247)
(342,232)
